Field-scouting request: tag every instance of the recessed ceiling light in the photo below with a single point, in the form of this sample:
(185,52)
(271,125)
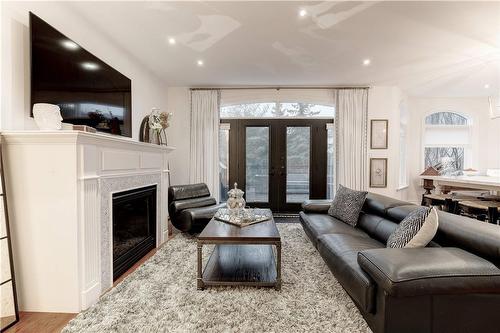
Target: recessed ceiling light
(171,41)
(70,45)
(367,62)
(200,62)
(486,86)
(302,12)
(90,66)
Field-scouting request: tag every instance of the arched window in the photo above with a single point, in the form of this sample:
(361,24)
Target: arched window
(445,118)
(446,140)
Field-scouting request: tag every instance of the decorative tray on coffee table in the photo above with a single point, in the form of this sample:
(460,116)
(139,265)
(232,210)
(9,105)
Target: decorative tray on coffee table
(243,217)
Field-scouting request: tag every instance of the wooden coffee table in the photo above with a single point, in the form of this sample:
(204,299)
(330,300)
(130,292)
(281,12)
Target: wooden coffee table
(242,256)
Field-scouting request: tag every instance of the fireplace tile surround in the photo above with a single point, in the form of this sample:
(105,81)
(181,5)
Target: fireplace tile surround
(109,186)
(69,241)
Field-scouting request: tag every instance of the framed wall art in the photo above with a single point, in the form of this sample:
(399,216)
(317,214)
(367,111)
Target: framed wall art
(378,172)
(379,131)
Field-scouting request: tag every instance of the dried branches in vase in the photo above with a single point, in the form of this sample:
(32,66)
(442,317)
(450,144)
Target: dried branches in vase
(158,123)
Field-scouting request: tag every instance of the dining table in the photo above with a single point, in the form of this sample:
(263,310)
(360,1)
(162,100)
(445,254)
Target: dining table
(479,182)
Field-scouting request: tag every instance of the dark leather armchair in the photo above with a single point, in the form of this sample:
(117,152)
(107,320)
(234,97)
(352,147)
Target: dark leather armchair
(191,207)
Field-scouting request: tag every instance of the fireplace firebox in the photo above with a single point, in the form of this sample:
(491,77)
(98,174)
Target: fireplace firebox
(134,227)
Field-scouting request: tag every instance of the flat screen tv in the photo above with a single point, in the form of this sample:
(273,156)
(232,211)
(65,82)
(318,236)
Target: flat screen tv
(88,91)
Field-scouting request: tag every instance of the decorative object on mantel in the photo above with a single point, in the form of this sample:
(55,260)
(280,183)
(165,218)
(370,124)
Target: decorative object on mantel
(243,217)
(158,123)
(379,133)
(144,130)
(153,127)
(378,172)
(9,314)
(84,128)
(428,183)
(47,116)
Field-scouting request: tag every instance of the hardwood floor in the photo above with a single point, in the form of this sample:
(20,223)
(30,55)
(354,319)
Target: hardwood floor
(43,322)
(48,322)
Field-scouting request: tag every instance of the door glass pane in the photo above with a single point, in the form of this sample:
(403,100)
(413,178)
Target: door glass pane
(330,171)
(257,164)
(298,141)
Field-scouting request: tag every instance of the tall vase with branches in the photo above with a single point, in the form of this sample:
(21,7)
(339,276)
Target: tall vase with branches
(158,123)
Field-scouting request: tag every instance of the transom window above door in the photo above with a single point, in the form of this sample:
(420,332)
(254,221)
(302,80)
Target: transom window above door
(277,110)
(277,103)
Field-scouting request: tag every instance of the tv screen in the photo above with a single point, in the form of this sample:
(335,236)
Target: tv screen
(88,91)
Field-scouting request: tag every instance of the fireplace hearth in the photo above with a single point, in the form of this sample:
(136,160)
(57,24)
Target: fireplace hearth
(134,227)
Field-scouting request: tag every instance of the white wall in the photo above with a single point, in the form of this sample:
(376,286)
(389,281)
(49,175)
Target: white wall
(147,89)
(484,151)
(179,133)
(383,103)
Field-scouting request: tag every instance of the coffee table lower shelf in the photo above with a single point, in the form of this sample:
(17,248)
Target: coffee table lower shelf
(240,265)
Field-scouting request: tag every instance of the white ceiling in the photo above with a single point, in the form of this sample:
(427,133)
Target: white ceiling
(426,48)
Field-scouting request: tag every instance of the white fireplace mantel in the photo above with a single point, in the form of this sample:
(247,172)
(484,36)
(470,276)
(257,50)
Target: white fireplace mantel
(59,186)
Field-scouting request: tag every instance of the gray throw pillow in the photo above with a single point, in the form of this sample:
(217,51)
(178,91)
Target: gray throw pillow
(416,230)
(347,205)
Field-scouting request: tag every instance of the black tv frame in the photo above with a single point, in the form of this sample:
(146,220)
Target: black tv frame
(127,117)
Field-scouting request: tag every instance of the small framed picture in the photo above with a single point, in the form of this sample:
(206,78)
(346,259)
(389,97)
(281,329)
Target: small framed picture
(379,133)
(378,172)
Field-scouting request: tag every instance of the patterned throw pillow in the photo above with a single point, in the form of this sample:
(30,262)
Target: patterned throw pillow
(416,230)
(347,205)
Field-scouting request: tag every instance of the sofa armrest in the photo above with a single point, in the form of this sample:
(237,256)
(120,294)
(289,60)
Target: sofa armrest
(316,206)
(425,271)
(178,206)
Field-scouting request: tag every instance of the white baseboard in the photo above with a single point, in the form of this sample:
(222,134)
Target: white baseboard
(90,296)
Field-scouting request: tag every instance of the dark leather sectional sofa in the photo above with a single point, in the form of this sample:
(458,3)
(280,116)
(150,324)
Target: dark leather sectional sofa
(452,285)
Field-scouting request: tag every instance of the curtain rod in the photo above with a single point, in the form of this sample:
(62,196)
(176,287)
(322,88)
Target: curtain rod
(278,88)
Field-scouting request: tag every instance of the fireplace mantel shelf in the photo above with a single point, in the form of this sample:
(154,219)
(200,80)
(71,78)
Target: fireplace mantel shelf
(60,185)
(73,137)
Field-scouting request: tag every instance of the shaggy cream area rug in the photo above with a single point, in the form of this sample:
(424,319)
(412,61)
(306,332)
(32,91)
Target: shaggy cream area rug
(161,296)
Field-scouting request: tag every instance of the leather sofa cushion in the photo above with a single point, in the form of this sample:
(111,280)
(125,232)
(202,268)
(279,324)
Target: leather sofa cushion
(316,206)
(376,227)
(316,225)
(180,205)
(181,192)
(379,204)
(428,271)
(399,213)
(482,239)
(340,253)
(195,219)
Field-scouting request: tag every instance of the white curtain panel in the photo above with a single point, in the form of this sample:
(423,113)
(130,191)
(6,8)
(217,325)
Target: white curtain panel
(351,121)
(204,166)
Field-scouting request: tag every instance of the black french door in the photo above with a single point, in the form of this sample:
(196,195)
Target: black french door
(279,163)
